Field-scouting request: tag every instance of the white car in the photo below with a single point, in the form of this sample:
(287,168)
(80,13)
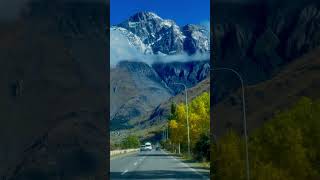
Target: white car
(142,148)
(148,146)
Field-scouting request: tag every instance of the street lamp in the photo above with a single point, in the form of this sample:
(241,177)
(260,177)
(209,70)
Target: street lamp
(244,116)
(188,129)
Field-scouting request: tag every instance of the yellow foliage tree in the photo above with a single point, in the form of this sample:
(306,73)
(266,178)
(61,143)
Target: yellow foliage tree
(199,120)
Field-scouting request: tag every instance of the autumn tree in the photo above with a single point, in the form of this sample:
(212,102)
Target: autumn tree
(199,121)
(285,147)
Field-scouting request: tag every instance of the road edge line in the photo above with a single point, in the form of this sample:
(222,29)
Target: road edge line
(187,166)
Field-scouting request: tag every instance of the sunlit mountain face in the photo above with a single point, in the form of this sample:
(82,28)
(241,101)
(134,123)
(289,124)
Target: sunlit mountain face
(145,35)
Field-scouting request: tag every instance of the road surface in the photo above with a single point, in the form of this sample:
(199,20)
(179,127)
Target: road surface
(152,165)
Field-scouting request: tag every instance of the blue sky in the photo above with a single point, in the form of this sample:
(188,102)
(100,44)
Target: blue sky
(181,11)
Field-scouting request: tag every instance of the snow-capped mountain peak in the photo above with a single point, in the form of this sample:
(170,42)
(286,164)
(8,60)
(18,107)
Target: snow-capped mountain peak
(149,33)
(144,15)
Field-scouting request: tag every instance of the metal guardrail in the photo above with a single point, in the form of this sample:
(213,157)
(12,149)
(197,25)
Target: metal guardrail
(123,151)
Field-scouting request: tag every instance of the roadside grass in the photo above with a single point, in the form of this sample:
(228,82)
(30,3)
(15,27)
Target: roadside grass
(191,161)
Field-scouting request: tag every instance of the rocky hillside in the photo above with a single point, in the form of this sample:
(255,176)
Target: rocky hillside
(188,73)
(151,124)
(299,78)
(137,88)
(260,38)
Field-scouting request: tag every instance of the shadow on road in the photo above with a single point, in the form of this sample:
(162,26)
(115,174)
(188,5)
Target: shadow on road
(153,154)
(156,174)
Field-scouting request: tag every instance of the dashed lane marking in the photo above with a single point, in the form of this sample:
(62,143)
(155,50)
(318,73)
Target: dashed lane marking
(124,172)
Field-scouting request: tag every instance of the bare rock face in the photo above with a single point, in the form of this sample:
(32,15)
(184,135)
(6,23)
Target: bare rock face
(259,38)
(196,39)
(54,102)
(188,73)
(305,35)
(164,36)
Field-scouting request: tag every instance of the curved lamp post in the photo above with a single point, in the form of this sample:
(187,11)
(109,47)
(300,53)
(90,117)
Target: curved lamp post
(188,129)
(244,116)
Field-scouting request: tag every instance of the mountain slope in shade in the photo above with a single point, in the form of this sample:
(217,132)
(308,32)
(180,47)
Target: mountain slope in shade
(299,78)
(150,124)
(138,88)
(163,36)
(135,89)
(188,73)
(258,39)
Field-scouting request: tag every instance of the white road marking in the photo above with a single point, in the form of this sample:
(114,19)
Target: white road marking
(185,165)
(135,163)
(124,172)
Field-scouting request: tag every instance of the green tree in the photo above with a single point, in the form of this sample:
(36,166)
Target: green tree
(202,148)
(130,142)
(287,142)
(228,158)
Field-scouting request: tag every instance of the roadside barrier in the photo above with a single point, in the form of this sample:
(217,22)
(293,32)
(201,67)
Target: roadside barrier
(123,151)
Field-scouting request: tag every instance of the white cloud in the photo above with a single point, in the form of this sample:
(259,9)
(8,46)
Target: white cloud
(121,50)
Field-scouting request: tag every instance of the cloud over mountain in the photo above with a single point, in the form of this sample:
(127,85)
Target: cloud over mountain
(147,37)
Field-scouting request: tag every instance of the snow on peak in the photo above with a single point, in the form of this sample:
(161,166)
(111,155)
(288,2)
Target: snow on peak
(149,33)
(133,40)
(143,16)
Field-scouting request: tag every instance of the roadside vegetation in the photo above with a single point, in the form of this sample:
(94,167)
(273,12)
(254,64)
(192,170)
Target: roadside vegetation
(130,142)
(199,123)
(286,147)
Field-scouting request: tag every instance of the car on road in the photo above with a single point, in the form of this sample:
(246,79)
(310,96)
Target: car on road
(142,148)
(148,146)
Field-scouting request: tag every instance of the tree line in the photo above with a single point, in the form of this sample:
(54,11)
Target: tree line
(287,147)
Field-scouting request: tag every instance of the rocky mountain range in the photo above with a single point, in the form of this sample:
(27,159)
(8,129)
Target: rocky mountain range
(138,88)
(150,34)
(140,85)
(259,38)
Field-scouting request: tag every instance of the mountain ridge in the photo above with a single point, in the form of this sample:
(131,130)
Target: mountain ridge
(155,35)
(260,46)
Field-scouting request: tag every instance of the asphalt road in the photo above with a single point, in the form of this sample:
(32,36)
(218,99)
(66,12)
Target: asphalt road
(152,165)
